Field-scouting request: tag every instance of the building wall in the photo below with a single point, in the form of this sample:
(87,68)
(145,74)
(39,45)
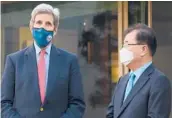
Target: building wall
(162,24)
(163,59)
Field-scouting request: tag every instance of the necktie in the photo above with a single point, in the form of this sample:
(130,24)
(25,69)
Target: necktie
(41,74)
(129,85)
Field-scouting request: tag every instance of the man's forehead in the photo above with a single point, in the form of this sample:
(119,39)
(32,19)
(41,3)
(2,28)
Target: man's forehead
(130,37)
(44,17)
(43,20)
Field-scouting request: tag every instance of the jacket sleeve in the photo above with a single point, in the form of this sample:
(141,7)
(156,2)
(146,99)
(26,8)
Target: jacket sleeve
(8,91)
(159,105)
(76,104)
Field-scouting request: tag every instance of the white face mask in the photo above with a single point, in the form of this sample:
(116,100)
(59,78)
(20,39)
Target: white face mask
(126,56)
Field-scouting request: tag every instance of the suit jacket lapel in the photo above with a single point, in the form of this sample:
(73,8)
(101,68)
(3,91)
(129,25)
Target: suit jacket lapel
(54,69)
(120,93)
(139,84)
(31,68)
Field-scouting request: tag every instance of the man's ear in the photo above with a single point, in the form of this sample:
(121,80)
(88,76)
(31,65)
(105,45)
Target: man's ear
(30,26)
(55,31)
(145,50)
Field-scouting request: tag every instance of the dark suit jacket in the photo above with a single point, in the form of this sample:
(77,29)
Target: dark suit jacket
(20,96)
(150,97)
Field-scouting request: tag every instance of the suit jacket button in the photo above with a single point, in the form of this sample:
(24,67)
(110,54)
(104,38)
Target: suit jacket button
(41,109)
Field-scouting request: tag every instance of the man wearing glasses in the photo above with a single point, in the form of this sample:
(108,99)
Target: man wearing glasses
(144,92)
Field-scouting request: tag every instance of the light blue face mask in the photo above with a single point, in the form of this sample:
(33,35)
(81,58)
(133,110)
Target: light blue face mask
(42,36)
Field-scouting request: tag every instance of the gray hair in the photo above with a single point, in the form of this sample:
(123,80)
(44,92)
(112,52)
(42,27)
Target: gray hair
(46,8)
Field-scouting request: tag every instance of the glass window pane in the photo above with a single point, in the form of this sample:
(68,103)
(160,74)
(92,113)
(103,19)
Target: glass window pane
(137,12)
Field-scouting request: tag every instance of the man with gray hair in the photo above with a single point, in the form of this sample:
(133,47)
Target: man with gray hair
(42,81)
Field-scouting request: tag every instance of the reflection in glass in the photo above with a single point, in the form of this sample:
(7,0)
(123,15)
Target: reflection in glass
(137,12)
(103,38)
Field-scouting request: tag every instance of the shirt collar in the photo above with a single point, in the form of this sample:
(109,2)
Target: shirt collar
(38,49)
(139,71)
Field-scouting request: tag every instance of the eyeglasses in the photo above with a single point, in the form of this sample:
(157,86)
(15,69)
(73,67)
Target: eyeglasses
(130,44)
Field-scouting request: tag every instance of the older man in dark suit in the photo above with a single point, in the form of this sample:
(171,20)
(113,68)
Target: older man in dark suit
(42,81)
(144,92)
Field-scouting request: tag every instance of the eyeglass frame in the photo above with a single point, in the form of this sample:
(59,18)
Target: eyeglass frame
(130,44)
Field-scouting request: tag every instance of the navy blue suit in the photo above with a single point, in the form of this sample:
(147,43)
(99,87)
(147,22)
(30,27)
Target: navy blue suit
(149,98)
(20,96)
